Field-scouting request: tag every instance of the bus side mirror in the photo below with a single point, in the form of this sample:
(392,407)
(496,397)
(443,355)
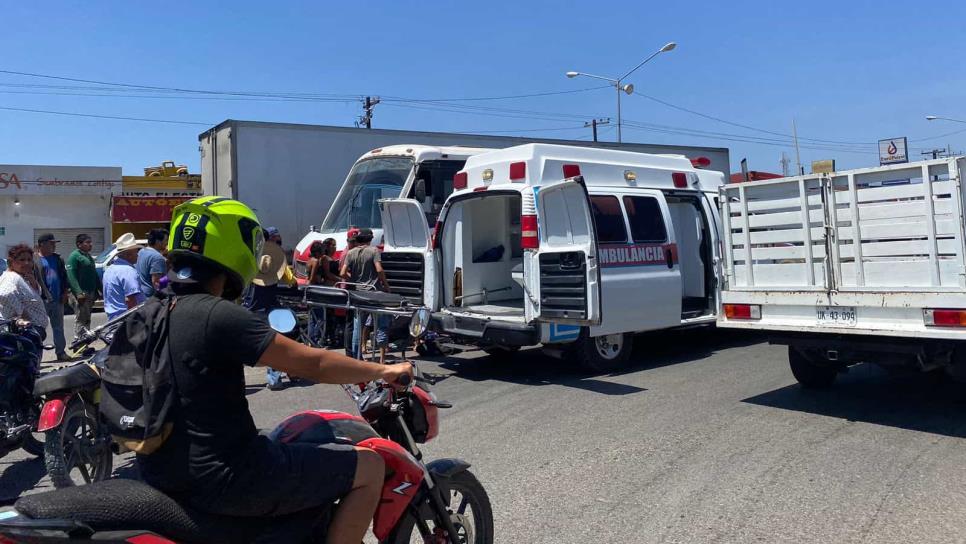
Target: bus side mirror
(419,190)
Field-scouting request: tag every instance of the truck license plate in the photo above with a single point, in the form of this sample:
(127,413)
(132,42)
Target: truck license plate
(836,316)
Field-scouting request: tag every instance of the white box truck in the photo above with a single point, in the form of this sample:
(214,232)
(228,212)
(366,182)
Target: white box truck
(855,266)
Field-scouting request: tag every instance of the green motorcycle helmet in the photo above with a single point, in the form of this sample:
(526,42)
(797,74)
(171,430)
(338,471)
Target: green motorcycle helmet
(211,234)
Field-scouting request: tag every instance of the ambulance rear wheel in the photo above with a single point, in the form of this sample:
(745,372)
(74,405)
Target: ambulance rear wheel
(602,353)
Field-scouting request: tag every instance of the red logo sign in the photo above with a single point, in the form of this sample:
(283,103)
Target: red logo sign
(128,209)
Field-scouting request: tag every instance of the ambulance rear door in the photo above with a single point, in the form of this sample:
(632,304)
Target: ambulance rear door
(407,256)
(561,275)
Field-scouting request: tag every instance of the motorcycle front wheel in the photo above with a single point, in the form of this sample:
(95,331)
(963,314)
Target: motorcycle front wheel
(470,509)
(74,452)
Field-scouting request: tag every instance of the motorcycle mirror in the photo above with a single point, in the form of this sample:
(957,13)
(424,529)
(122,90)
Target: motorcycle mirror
(419,322)
(282,320)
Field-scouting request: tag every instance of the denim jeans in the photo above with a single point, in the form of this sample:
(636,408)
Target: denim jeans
(55,312)
(317,326)
(380,332)
(273,377)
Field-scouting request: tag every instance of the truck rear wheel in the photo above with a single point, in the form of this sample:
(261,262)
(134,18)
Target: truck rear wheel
(601,353)
(810,373)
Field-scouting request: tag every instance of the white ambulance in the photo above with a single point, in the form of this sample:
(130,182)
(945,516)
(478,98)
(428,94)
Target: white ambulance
(573,248)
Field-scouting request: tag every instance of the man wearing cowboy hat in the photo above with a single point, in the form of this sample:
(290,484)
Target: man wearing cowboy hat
(262,295)
(122,285)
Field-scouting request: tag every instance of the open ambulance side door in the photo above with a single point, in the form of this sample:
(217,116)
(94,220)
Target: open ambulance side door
(562,275)
(407,255)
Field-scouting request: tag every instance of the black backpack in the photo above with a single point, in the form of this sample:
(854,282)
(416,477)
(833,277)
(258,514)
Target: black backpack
(138,391)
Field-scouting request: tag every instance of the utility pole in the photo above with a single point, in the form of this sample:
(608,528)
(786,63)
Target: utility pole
(936,153)
(798,155)
(593,124)
(368,104)
(784,162)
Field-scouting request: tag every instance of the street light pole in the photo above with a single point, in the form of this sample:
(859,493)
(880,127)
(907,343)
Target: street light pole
(935,117)
(618,83)
(618,111)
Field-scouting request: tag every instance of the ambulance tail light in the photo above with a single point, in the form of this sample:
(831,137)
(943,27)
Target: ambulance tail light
(460,180)
(528,232)
(936,317)
(518,171)
(571,170)
(680,180)
(742,311)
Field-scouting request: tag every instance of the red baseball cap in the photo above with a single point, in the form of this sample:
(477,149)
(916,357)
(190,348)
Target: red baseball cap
(351,235)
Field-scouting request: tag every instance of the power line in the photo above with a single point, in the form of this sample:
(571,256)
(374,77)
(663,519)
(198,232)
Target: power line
(182,97)
(72,114)
(112,87)
(747,127)
(286,94)
(508,131)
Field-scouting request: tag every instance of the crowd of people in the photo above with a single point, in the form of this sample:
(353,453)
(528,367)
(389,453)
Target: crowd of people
(39,284)
(215,460)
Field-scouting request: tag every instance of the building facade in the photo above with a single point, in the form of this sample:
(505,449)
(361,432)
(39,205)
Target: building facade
(64,200)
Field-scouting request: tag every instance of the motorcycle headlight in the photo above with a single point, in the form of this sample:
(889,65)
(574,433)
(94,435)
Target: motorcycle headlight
(419,322)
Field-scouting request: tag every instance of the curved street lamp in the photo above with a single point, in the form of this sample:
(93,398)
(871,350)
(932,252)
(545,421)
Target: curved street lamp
(618,82)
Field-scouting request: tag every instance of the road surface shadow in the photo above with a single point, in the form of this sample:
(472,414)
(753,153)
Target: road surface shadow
(20,476)
(530,367)
(651,350)
(913,401)
(665,348)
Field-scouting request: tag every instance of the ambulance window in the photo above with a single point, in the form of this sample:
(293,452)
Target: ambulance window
(647,221)
(609,219)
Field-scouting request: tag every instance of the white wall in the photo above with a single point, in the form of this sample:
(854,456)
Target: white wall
(55,197)
(89,212)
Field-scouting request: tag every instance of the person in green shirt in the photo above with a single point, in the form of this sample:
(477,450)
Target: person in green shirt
(82,276)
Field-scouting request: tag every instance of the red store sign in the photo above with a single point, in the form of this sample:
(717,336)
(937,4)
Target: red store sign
(132,209)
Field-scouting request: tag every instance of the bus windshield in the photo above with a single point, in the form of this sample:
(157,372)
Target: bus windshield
(369,181)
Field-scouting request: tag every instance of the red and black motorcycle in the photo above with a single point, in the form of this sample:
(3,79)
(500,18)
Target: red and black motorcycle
(436,502)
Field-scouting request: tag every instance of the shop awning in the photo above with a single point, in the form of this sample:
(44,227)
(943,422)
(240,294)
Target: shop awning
(144,209)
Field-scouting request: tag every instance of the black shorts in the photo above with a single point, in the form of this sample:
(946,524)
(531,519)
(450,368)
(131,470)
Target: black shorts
(277,479)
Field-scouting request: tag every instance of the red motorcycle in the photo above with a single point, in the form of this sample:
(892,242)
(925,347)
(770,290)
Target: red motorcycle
(436,502)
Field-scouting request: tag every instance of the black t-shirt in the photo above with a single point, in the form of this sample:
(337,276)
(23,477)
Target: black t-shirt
(210,341)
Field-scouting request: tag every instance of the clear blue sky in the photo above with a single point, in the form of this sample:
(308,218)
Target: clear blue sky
(850,71)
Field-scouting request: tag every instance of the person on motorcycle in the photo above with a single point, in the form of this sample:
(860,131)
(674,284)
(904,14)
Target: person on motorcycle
(215,460)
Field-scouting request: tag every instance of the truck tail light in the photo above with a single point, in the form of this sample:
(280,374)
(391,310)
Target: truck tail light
(460,180)
(571,170)
(528,232)
(944,317)
(680,180)
(518,171)
(742,311)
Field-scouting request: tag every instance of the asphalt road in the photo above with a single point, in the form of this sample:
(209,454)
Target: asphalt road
(705,438)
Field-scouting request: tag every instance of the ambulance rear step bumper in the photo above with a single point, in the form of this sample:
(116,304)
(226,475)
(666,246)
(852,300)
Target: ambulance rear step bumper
(487,332)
